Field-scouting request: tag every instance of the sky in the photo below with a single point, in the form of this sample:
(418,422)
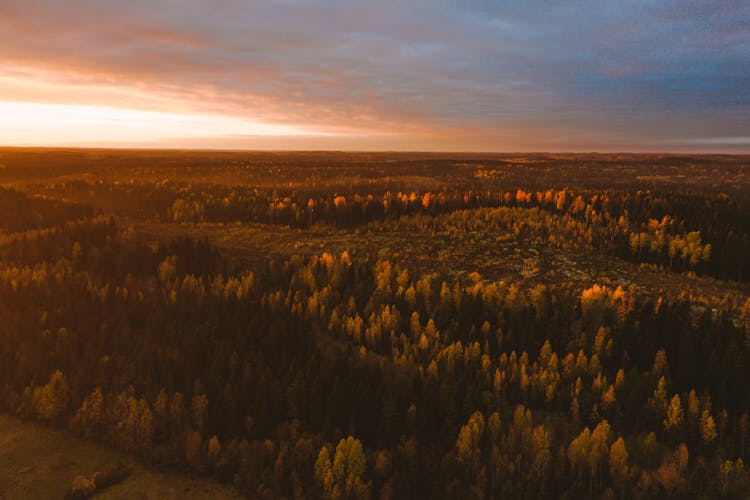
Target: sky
(482,75)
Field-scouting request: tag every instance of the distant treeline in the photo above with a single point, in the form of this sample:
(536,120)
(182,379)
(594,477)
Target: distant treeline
(19,212)
(709,234)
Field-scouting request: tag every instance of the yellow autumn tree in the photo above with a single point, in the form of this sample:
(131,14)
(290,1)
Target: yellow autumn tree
(675,414)
(324,472)
(707,428)
(214,448)
(349,466)
(618,464)
(54,398)
(467,445)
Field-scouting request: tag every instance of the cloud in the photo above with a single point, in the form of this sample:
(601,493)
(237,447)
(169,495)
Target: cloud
(720,141)
(617,74)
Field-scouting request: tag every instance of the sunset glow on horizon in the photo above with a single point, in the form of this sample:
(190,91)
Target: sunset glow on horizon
(24,123)
(582,76)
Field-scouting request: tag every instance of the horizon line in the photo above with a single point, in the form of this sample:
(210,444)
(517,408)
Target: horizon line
(373,151)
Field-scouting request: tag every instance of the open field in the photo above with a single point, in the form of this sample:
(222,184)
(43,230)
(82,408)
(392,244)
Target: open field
(495,256)
(40,463)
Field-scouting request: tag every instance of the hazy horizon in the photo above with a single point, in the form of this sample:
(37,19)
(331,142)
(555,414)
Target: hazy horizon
(198,149)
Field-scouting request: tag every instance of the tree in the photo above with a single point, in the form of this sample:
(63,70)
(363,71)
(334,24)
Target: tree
(349,466)
(729,471)
(578,451)
(199,408)
(193,443)
(681,456)
(540,454)
(161,413)
(145,427)
(661,364)
(598,450)
(744,431)
(90,416)
(176,411)
(324,472)
(745,315)
(467,445)
(55,397)
(608,397)
(618,464)
(214,448)
(707,428)
(383,464)
(673,420)
(694,405)
(167,269)
(660,395)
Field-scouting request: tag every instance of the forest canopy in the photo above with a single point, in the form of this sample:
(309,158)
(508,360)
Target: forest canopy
(387,327)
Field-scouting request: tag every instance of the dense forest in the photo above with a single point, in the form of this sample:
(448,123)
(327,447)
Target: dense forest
(601,350)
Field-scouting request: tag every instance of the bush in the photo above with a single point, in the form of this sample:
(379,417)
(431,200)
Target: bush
(85,488)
